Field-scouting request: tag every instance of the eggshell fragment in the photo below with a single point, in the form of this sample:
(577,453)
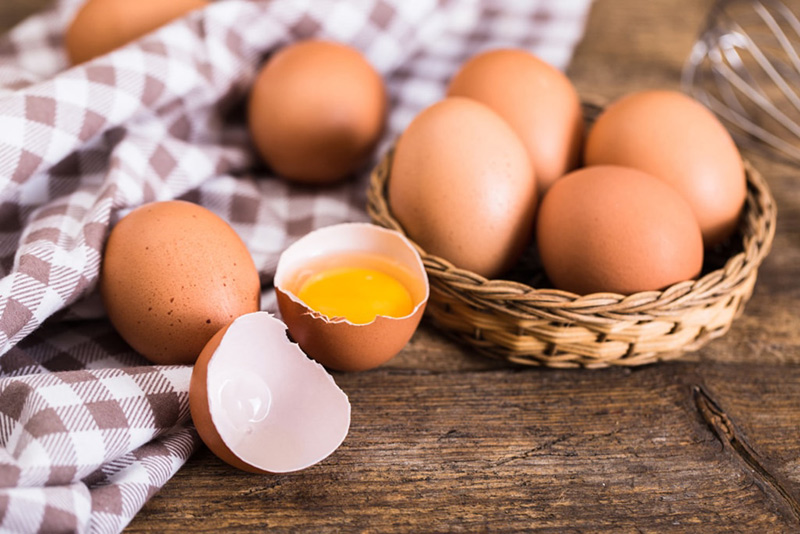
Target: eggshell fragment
(336,342)
(260,404)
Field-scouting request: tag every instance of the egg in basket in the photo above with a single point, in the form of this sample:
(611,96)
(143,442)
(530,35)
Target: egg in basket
(563,234)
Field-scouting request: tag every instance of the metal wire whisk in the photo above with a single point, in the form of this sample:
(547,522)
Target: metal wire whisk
(745,67)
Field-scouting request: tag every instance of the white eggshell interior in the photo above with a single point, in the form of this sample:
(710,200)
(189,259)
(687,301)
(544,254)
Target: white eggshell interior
(353,237)
(274,408)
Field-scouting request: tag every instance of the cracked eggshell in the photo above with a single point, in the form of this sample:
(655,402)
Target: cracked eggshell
(260,404)
(338,343)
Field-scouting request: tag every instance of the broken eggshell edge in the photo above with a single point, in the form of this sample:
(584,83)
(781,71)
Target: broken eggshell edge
(337,343)
(323,405)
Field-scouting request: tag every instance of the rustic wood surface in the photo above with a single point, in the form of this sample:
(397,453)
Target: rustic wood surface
(444,440)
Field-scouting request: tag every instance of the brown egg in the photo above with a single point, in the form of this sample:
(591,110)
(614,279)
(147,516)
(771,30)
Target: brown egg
(101,26)
(173,275)
(260,404)
(316,110)
(615,229)
(673,137)
(462,186)
(538,101)
(338,340)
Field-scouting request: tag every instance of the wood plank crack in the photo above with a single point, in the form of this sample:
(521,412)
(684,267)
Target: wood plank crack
(732,439)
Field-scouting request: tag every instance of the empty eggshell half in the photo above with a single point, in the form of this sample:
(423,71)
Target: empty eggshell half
(336,342)
(260,404)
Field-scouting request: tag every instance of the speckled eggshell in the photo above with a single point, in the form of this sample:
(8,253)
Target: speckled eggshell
(536,99)
(316,110)
(100,26)
(338,343)
(675,138)
(462,186)
(619,230)
(173,274)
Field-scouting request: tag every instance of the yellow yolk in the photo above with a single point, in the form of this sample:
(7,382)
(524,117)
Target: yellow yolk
(357,294)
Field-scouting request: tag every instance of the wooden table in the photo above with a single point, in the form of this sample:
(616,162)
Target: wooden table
(445,440)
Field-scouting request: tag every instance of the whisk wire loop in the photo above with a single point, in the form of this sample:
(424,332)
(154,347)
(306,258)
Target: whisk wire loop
(745,67)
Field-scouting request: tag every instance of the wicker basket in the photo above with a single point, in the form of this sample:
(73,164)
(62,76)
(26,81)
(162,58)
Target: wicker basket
(525,321)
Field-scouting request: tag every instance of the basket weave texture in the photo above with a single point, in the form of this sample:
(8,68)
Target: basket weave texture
(513,320)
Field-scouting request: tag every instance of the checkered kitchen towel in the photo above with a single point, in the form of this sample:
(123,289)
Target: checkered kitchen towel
(89,431)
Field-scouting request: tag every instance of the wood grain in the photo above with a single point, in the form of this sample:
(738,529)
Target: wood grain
(508,450)
(444,440)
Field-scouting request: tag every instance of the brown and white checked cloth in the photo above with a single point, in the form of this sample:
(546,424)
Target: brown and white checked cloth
(89,431)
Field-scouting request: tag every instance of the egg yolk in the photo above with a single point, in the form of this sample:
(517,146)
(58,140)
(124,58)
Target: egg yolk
(357,294)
